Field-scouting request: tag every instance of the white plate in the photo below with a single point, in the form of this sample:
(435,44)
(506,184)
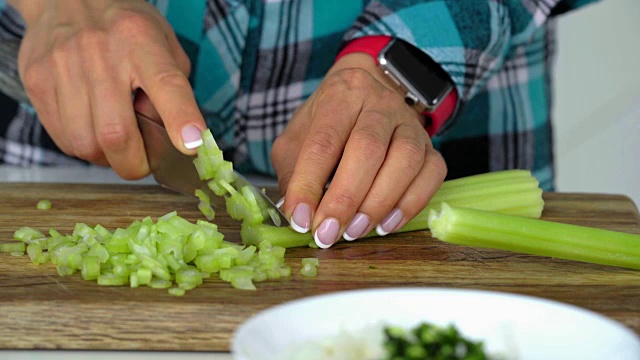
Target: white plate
(523,327)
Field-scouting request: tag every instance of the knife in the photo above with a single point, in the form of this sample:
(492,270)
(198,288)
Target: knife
(175,171)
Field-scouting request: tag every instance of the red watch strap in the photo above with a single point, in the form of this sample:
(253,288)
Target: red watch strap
(434,120)
(373,45)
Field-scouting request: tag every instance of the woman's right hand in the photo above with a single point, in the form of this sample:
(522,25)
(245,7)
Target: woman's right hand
(80,61)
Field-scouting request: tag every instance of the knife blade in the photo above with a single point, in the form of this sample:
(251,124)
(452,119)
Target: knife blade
(175,171)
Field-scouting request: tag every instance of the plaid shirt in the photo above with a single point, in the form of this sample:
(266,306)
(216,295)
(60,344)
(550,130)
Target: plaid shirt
(254,62)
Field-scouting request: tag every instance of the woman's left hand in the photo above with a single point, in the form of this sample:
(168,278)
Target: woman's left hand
(358,125)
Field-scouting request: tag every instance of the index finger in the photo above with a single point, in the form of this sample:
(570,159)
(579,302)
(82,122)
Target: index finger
(172,96)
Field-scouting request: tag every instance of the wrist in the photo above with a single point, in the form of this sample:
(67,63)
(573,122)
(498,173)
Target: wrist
(365,62)
(422,82)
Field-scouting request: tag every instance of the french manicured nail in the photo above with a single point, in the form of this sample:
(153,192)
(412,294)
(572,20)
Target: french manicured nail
(191,136)
(301,218)
(280,202)
(389,223)
(327,233)
(356,228)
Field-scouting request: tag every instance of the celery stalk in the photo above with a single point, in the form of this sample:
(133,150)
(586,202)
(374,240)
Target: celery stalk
(483,179)
(514,192)
(537,237)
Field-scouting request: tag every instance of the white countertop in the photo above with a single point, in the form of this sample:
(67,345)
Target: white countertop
(92,174)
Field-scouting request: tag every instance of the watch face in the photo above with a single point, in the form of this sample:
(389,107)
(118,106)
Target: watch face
(417,71)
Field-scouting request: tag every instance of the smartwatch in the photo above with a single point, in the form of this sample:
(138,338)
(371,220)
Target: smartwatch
(426,86)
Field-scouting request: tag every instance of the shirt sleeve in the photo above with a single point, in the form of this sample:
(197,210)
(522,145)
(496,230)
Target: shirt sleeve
(469,39)
(11,31)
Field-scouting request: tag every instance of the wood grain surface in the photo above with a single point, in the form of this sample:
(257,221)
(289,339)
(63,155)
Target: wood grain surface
(41,310)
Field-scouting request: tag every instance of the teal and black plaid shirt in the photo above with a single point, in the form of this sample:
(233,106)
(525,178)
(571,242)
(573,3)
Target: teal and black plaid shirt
(254,62)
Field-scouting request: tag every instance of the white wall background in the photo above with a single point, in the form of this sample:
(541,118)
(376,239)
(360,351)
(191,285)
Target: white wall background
(597,99)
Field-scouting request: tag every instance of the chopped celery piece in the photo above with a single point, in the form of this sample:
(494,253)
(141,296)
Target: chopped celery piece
(309,270)
(228,188)
(81,230)
(197,238)
(42,242)
(159,283)
(119,269)
(65,270)
(238,271)
(17,253)
(90,268)
(102,232)
(117,245)
(207,210)
(12,247)
(208,141)
(538,237)
(259,275)
(285,271)
(110,279)
(224,172)
(43,258)
(217,188)
(203,196)
(245,256)
(99,251)
(243,283)
(208,263)
(34,251)
(27,233)
(54,233)
(311,261)
(188,285)
(144,276)
(176,291)
(189,253)
(167,216)
(189,275)
(133,280)
(43,205)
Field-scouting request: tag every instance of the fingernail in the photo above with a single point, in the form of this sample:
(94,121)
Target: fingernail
(356,228)
(191,136)
(301,218)
(327,233)
(280,202)
(389,223)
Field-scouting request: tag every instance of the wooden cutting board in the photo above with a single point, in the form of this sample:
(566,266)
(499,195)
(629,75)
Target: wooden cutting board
(41,310)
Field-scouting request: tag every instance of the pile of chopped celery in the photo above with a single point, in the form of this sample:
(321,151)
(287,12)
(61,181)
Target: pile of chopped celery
(171,253)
